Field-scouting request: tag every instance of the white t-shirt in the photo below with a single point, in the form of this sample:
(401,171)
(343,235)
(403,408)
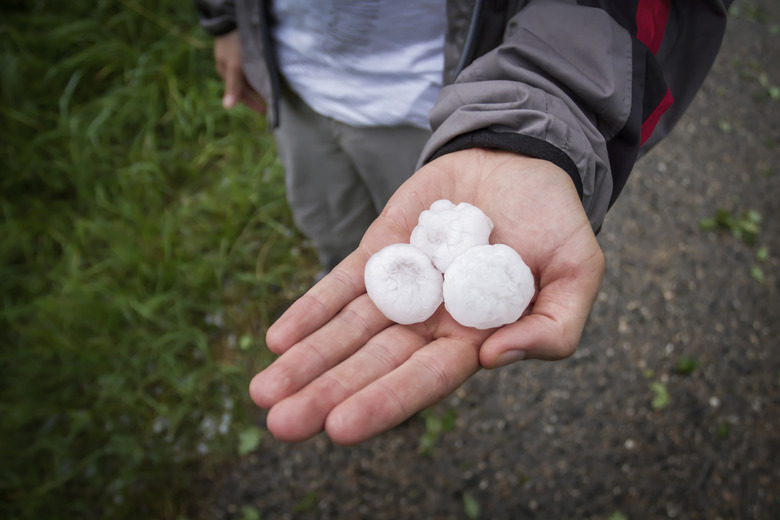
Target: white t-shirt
(364,63)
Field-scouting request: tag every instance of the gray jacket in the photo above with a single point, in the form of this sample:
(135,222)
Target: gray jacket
(589,85)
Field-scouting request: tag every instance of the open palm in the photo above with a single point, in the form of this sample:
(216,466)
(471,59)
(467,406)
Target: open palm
(345,368)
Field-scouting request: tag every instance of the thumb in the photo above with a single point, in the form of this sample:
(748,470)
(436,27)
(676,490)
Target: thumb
(551,331)
(535,336)
(231,94)
(233,78)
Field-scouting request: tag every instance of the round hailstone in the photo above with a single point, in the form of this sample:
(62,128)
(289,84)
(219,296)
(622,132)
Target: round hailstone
(403,283)
(488,286)
(446,231)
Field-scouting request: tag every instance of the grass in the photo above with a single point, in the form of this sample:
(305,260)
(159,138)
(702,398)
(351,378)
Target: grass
(145,245)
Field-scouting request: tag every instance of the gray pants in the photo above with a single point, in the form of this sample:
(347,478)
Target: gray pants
(339,177)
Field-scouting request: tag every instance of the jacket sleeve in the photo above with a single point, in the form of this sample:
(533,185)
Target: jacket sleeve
(217,17)
(584,85)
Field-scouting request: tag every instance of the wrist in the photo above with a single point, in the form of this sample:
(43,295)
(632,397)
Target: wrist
(518,144)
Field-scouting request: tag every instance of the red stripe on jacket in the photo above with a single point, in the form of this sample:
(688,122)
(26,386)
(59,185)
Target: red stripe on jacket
(651,17)
(648,125)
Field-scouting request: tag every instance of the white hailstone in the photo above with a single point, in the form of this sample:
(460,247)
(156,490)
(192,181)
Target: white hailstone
(488,286)
(403,283)
(445,231)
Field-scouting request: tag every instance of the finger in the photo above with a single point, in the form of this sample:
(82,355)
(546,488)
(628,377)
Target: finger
(233,83)
(321,303)
(302,415)
(317,353)
(553,329)
(429,375)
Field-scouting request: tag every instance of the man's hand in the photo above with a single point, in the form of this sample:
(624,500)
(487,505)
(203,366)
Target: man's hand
(345,368)
(227,56)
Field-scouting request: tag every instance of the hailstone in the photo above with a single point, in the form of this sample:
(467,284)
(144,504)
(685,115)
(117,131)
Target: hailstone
(488,286)
(446,231)
(403,283)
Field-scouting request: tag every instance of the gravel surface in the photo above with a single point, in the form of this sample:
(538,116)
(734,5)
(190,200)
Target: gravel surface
(671,406)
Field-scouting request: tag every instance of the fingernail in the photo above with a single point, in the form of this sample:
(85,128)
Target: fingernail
(509,357)
(228,101)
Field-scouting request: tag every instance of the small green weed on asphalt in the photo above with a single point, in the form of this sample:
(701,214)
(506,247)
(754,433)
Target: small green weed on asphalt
(471,506)
(661,397)
(145,246)
(686,365)
(436,424)
(745,227)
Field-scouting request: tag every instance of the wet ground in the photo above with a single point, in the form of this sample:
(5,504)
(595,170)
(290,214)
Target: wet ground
(671,406)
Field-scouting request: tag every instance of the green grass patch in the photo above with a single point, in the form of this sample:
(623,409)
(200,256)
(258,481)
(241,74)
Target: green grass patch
(145,246)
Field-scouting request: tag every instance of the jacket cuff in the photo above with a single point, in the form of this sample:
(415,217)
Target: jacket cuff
(216,17)
(511,116)
(516,143)
(218,26)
